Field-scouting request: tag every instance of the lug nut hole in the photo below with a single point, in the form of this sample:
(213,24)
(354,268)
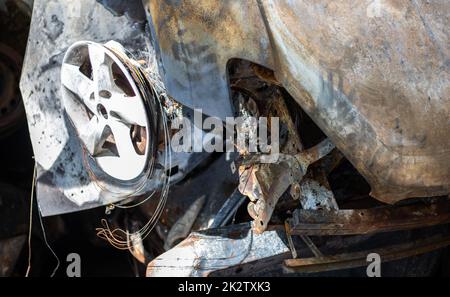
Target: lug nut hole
(105,94)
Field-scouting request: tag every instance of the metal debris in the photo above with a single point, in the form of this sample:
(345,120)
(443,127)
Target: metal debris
(373,220)
(362,82)
(265,183)
(212,250)
(364,85)
(358,259)
(313,195)
(182,227)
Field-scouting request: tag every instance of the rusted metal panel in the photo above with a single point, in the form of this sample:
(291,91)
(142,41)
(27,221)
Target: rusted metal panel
(358,259)
(9,253)
(373,220)
(373,75)
(197,38)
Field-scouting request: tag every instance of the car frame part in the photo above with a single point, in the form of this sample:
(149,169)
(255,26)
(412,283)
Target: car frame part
(183,225)
(228,210)
(359,259)
(236,250)
(372,220)
(378,117)
(265,183)
(10,249)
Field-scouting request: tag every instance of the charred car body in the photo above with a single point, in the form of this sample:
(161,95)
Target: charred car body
(362,90)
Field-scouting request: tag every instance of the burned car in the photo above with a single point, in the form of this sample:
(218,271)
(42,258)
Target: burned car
(344,108)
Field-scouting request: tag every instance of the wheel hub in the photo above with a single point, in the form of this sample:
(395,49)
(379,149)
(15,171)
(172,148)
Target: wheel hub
(106,108)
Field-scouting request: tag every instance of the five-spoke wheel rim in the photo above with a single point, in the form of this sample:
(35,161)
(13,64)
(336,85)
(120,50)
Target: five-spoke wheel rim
(106,109)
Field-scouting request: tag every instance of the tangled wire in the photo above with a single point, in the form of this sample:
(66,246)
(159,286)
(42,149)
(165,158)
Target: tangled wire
(155,98)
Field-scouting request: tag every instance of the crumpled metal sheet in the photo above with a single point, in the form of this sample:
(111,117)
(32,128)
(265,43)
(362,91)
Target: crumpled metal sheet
(377,83)
(196,39)
(132,9)
(211,250)
(372,74)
